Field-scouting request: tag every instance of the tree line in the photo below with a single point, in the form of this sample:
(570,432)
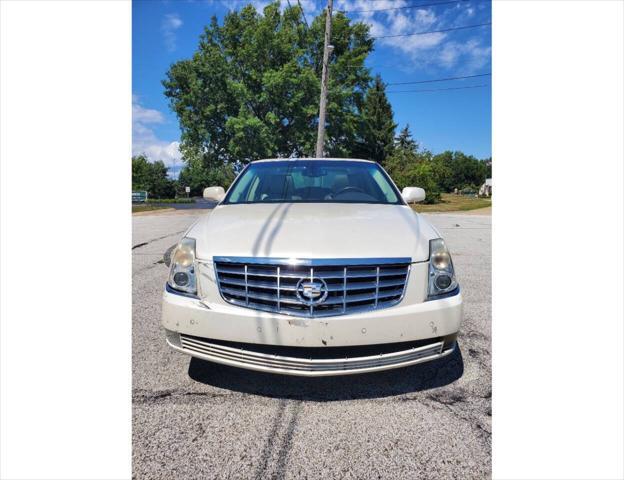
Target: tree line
(446,172)
(251,91)
(152,177)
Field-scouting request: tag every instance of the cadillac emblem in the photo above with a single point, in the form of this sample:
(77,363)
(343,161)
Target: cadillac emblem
(312,291)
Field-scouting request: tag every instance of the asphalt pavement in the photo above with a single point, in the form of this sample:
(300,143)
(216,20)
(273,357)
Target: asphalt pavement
(196,420)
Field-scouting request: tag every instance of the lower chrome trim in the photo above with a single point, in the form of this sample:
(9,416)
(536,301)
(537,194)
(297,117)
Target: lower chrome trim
(242,358)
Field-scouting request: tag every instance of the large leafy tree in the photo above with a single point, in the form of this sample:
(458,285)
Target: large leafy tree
(377,127)
(251,89)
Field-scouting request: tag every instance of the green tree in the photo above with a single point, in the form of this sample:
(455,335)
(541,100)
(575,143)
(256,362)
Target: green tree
(405,141)
(487,162)
(377,124)
(410,167)
(461,170)
(251,90)
(152,177)
(140,172)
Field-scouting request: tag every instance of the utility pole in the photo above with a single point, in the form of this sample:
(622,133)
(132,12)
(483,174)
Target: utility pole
(320,139)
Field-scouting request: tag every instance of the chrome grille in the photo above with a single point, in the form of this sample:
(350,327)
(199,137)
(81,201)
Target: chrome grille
(347,285)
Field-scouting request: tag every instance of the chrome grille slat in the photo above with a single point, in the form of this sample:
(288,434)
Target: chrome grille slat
(231,271)
(259,296)
(311,278)
(344,286)
(250,357)
(246,287)
(351,285)
(279,304)
(377,287)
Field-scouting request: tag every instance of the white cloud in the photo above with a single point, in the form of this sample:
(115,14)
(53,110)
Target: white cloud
(145,141)
(145,115)
(170,24)
(434,51)
(473,54)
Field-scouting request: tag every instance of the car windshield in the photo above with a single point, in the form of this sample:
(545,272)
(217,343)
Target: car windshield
(317,181)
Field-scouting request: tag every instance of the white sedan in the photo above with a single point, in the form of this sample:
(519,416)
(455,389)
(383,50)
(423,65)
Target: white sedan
(312,267)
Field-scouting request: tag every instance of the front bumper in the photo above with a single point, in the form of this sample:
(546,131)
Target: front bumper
(204,330)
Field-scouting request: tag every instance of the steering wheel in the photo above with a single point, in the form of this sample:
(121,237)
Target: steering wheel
(349,189)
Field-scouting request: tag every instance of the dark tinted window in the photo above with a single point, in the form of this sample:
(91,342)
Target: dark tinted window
(321,181)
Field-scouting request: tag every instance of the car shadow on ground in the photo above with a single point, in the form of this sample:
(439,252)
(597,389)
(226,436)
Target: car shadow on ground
(416,378)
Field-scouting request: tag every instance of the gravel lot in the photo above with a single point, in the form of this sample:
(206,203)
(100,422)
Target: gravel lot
(197,420)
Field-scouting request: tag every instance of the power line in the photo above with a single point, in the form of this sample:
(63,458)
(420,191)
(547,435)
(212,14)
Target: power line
(386,1)
(439,79)
(404,7)
(435,31)
(439,89)
(303,13)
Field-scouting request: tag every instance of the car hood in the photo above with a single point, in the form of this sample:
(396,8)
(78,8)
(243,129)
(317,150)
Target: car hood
(313,230)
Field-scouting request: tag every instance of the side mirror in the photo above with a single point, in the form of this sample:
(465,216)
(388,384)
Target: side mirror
(215,194)
(413,194)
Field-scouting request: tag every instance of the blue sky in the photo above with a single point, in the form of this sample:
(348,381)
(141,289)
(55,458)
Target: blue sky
(452,119)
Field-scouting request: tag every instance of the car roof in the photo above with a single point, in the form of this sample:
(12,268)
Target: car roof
(312,158)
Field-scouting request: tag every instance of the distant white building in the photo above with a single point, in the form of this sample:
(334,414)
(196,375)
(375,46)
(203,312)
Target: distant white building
(486,188)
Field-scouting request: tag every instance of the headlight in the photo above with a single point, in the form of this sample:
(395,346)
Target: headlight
(182,273)
(441,272)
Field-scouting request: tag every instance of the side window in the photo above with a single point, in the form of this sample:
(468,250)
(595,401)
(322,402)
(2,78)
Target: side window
(253,189)
(299,181)
(239,193)
(384,186)
(329,180)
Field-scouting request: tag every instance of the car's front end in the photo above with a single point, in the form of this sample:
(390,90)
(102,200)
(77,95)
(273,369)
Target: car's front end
(312,289)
